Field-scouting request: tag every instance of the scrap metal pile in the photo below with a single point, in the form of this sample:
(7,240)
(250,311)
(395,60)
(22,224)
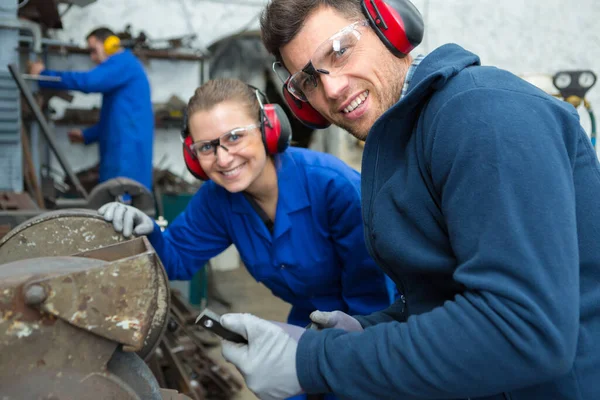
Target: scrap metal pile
(86,313)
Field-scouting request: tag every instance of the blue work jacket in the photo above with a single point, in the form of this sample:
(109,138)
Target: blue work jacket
(316,257)
(476,199)
(125,132)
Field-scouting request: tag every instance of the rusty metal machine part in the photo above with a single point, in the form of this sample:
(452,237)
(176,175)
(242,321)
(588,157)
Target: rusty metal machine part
(137,252)
(132,369)
(53,333)
(115,189)
(57,233)
(182,362)
(85,233)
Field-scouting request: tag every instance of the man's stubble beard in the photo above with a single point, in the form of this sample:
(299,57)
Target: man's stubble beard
(388,97)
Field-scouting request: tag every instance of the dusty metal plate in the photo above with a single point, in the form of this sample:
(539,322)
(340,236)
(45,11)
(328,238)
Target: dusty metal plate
(35,345)
(58,233)
(116,301)
(125,251)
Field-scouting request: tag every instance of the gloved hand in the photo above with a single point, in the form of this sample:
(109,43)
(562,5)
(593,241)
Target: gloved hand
(268,361)
(335,319)
(127,219)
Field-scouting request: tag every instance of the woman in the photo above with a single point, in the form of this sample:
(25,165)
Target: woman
(293,214)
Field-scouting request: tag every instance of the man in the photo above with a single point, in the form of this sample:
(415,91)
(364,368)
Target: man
(476,189)
(125,132)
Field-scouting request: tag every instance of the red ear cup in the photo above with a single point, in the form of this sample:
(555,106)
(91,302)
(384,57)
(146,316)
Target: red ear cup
(277,136)
(191,162)
(398,24)
(304,111)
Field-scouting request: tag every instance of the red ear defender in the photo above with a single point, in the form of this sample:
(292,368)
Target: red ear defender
(398,24)
(191,162)
(304,111)
(276,129)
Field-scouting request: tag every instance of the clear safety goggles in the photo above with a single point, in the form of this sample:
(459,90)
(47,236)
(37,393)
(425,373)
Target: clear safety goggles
(233,141)
(329,59)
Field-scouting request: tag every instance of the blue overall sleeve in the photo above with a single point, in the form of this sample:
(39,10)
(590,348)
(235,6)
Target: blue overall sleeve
(364,285)
(104,78)
(507,194)
(194,237)
(91,134)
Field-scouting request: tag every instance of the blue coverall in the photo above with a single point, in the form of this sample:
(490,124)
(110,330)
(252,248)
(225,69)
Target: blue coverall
(125,132)
(316,257)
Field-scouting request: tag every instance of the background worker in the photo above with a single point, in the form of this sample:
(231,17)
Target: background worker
(125,131)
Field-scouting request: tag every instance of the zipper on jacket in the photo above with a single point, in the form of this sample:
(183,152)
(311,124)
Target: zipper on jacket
(378,259)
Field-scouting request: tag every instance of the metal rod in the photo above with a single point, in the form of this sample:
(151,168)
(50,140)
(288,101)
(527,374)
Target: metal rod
(47,41)
(39,116)
(41,78)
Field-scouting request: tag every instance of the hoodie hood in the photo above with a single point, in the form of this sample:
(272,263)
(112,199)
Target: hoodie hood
(432,74)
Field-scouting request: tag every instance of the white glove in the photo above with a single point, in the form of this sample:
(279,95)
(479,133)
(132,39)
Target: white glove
(127,219)
(335,319)
(268,361)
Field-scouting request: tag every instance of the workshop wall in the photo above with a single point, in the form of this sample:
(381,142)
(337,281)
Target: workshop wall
(523,36)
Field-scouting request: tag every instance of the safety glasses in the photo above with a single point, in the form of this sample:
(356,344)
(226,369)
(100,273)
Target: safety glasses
(232,142)
(329,58)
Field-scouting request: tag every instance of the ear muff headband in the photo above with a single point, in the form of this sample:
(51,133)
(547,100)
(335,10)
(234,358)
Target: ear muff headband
(276,132)
(397,23)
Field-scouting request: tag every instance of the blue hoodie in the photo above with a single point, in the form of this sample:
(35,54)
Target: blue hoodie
(479,200)
(125,132)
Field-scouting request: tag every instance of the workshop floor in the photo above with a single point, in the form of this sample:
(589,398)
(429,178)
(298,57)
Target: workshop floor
(246,295)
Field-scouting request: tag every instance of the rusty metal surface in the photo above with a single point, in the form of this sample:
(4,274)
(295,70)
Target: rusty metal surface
(37,345)
(181,361)
(132,248)
(69,385)
(90,302)
(65,336)
(86,234)
(4,229)
(57,233)
(116,301)
(132,369)
(16,201)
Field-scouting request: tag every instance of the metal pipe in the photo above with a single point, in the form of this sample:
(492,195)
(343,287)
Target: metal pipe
(39,116)
(33,27)
(41,78)
(47,41)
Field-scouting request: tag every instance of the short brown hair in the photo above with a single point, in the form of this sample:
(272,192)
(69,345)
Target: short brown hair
(281,20)
(100,33)
(217,91)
